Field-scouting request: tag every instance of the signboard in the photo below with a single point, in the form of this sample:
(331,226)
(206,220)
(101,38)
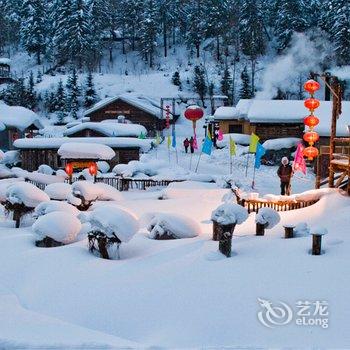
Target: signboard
(81,164)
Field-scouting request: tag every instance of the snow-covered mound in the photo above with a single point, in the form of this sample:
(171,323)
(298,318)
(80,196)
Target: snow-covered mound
(45,169)
(5,172)
(10,158)
(277,144)
(51,206)
(172,225)
(58,191)
(268,217)
(96,191)
(26,193)
(4,185)
(77,150)
(229,213)
(134,167)
(61,226)
(113,221)
(239,139)
(103,166)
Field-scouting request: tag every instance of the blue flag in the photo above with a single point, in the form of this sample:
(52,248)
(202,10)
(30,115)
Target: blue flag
(207,145)
(260,151)
(173,142)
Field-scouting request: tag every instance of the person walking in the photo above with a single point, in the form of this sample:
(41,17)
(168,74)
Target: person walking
(186,144)
(285,172)
(192,144)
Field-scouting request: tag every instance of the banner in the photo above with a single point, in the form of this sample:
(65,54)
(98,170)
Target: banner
(232,147)
(254,139)
(260,151)
(299,160)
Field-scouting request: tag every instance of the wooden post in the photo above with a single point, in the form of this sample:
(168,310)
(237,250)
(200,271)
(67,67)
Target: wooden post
(260,229)
(102,242)
(224,235)
(216,231)
(316,244)
(289,231)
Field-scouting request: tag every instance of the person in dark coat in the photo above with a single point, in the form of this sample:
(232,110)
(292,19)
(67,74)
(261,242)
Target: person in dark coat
(285,172)
(192,144)
(186,144)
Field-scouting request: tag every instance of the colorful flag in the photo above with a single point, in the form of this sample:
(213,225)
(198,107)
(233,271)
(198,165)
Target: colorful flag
(232,147)
(195,143)
(254,139)
(173,136)
(220,135)
(260,151)
(299,161)
(142,136)
(169,141)
(157,138)
(207,145)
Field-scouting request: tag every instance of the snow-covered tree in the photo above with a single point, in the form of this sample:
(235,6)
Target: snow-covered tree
(59,104)
(199,82)
(245,90)
(33,28)
(73,92)
(226,84)
(176,79)
(90,93)
(31,94)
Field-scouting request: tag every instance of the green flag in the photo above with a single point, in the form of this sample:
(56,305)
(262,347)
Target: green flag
(157,138)
(254,139)
(232,147)
(142,136)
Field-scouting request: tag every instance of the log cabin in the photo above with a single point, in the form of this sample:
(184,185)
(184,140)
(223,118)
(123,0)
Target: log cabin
(133,108)
(37,151)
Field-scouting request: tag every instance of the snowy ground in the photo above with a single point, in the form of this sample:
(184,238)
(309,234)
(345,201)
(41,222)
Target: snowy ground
(180,293)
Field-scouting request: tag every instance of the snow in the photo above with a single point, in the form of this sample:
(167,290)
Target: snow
(178,225)
(229,213)
(110,129)
(268,217)
(240,139)
(45,169)
(5,60)
(57,142)
(58,191)
(225,112)
(277,144)
(292,111)
(4,185)
(5,172)
(103,166)
(113,220)
(18,117)
(53,205)
(10,158)
(26,193)
(93,191)
(85,151)
(59,225)
(318,230)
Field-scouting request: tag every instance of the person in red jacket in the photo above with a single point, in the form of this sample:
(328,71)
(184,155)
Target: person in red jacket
(186,144)
(285,172)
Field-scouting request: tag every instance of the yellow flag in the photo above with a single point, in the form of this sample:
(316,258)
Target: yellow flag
(157,139)
(208,135)
(254,139)
(232,147)
(169,141)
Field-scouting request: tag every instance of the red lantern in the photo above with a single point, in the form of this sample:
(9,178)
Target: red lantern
(310,152)
(194,113)
(311,137)
(311,103)
(69,169)
(93,169)
(311,86)
(311,121)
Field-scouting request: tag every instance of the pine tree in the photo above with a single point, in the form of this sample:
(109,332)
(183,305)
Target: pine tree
(199,83)
(90,93)
(226,84)
(33,29)
(59,103)
(148,31)
(176,80)
(290,18)
(73,94)
(39,77)
(245,91)
(31,95)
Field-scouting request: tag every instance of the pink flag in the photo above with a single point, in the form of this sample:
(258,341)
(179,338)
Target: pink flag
(299,161)
(195,143)
(220,135)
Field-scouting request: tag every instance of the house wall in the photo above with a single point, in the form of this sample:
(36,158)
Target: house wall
(132,113)
(33,158)
(225,126)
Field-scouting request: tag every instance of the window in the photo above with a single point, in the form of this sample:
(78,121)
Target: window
(235,129)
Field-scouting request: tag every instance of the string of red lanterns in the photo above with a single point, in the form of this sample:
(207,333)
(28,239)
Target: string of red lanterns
(311,103)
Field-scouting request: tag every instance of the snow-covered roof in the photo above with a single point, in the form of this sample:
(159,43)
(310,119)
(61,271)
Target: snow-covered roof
(145,103)
(76,150)
(109,129)
(225,112)
(5,60)
(57,142)
(18,117)
(292,111)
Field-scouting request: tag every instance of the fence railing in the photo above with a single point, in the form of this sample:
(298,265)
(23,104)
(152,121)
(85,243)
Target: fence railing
(120,184)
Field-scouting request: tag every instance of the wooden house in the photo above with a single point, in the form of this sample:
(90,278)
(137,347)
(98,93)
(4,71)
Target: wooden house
(16,122)
(40,150)
(5,70)
(136,109)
